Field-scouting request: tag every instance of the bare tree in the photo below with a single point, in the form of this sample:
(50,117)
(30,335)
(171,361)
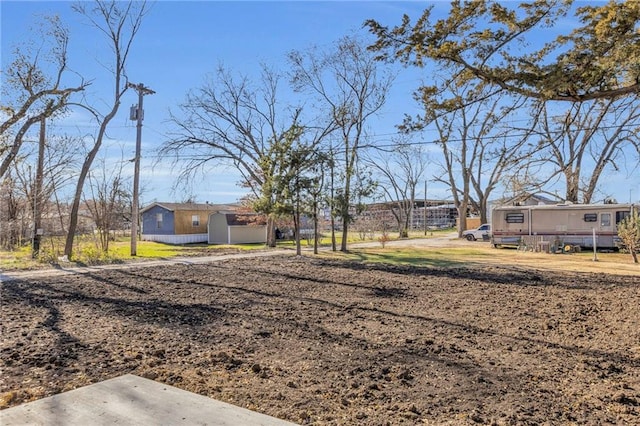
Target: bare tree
(23,199)
(21,188)
(120,22)
(237,123)
(59,173)
(109,201)
(398,171)
(32,195)
(479,147)
(32,93)
(13,205)
(231,121)
(347,83)
(316,190)
(581,143)
(586,69)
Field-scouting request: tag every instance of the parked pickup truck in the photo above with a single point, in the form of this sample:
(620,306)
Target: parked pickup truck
(481,233)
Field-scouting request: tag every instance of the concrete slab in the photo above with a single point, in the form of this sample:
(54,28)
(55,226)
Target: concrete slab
(132,400)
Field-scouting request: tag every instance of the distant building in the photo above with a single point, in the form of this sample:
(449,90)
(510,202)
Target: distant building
(432,213)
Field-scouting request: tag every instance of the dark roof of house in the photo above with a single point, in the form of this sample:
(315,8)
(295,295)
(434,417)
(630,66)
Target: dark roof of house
(192,206)
(234,219)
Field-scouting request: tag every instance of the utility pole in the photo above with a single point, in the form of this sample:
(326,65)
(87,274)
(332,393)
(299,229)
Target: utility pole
(37,193)
(137,114)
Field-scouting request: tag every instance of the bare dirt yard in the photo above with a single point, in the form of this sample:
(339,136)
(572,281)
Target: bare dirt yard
(328,342)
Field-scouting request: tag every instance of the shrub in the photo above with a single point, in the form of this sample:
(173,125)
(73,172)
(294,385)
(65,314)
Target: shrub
(384,238)
(629,233)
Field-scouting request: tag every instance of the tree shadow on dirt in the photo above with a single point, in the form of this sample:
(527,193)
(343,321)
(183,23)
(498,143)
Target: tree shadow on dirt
(470,374)
(113,282)
(269,310)
(43,295)
(384,291)
(418,261)
(277,295)
(376,290)
(491,274)
(267,302)
(56,348)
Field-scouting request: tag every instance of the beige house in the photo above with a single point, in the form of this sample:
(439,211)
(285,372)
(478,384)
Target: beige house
(236,228)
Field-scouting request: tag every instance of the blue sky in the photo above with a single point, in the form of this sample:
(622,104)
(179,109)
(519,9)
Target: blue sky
(180,42)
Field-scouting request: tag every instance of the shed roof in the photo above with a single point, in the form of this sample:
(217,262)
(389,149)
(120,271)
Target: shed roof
(191,206)
(234,219)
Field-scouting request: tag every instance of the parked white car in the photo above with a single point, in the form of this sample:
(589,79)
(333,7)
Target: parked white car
(478,233)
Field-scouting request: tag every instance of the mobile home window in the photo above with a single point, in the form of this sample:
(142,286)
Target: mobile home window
(195,220)
(515,217)
(158,220)
(591,217)
(605,219)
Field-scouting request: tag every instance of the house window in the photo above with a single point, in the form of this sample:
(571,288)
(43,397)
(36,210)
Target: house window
(158,220)
(591,217)
(195,220)
(515,217)
(605,219)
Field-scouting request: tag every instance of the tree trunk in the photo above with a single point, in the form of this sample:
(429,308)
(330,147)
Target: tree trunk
(86,166)
(271,235)
(345,218)
(315,226)
(296,227)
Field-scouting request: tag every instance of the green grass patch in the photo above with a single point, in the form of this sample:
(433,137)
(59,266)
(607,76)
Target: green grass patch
(144,249)
(86,252)
(17,259)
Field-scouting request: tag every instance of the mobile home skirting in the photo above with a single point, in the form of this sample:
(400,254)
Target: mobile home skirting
(177,239)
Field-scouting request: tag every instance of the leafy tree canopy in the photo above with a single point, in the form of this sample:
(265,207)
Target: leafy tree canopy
(492,43)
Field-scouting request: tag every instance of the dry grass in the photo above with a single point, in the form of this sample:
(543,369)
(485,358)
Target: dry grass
(460,253)
(606,263)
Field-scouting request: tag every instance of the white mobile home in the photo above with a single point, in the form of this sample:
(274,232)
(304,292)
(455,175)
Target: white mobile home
(561,224)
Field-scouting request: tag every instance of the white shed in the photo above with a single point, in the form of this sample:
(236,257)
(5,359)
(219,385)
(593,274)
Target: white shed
(236,228)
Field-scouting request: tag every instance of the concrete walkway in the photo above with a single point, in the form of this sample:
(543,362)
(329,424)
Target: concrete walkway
(132,400)
(52,272)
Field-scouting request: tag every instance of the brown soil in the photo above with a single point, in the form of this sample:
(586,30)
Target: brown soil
(318,341)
